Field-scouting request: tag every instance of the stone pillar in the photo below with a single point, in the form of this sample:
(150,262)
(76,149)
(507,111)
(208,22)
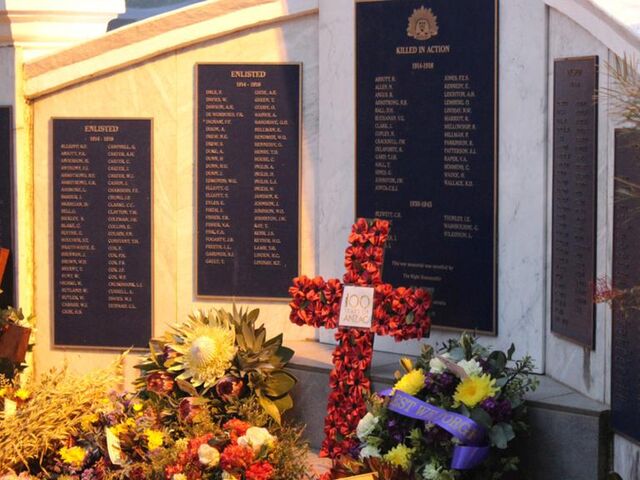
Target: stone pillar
(28,29)
(38,27)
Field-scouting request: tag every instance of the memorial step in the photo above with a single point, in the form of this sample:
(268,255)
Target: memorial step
(570,437)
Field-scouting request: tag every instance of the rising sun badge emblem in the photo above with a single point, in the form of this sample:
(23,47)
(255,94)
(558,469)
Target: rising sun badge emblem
(423,24)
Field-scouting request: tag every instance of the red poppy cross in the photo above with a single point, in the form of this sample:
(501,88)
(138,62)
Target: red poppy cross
(402,313)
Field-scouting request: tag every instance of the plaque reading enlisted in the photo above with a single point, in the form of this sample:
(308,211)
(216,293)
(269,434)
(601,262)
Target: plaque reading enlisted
(6,205)
(102,232)
(625,375)
(573,253)
(248,179)
(427,148)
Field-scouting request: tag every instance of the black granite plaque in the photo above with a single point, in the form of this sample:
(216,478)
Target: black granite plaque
(102,232)
(575,159)
(427,148)
(625,375)
(248,179)
(6,205)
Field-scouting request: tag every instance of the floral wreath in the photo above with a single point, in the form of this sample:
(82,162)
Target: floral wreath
(402,313)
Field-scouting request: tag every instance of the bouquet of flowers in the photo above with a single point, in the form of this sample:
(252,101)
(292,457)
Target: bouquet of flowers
(221,358)
(451,416)
(208,406)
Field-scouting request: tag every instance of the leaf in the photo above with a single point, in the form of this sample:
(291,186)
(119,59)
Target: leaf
(262,334)
(247,334)
(277,340)
(253,315)
(186,387)
(153,354)
(480,416)
(511,351)
(270,407)
(284,403)
(498,360)
(285,354)
(409,319)
(501,434)
(279,383)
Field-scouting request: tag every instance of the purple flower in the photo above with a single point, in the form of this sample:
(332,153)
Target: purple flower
(500,410)
(398,429)
(440,383)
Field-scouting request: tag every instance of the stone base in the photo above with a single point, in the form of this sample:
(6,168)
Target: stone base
(570,435)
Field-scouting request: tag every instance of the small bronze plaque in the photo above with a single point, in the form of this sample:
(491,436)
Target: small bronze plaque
(573,254)
(625,376)
(14,343)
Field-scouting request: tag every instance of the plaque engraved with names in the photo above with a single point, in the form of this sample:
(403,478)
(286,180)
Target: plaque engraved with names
(573,254)
(6,205)
(248,169)
(427,157)
(102,232)
(625,351)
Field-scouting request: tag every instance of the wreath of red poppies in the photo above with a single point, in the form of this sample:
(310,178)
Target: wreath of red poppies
(402,313)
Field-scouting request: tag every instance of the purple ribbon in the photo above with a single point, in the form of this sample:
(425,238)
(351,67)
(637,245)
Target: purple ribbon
(473,449)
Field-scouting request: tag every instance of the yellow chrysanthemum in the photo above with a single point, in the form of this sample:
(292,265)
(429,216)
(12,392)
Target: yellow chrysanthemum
(123,426)
(411,382)
(89,420)
(399,456)
(155,438)
(73,456)
(23,394)
(3,392)
(473,390)
(206,349)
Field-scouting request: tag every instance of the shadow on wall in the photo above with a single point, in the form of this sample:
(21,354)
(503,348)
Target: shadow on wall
(141,9)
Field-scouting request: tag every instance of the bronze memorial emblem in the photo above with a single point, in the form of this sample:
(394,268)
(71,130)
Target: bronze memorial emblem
(423,24)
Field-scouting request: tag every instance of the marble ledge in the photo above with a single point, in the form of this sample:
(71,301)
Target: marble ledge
(550,394)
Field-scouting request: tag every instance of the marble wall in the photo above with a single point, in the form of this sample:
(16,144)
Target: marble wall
(584,369)
(162,88)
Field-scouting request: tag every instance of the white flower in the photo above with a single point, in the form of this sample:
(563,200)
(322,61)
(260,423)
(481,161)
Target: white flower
(471,367)
(436,365)
(256,438)
(433,471)
(369,452)
(208,455)
(366,426)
